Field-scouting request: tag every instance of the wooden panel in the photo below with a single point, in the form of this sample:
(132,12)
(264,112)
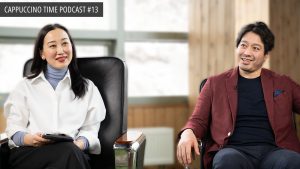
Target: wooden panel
(211,41)
(243,16)
(2,121)
(149,117)
(285,23)
(157,115)
(138,117)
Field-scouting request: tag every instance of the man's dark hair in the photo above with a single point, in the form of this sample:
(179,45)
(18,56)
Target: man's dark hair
(262,30)
(79,84)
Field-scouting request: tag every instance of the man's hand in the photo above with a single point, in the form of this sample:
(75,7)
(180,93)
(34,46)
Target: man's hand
(187,141)
(35,140)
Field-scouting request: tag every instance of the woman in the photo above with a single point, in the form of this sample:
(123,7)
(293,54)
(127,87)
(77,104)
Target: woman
(55,99)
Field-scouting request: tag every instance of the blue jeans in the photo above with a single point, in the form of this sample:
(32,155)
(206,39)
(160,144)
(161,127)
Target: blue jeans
(256,157)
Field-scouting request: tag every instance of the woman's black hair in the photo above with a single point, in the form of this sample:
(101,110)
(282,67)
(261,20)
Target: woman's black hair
(262,30)
(78,83)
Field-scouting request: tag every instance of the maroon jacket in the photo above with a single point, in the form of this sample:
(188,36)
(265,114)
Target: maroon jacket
(217,103)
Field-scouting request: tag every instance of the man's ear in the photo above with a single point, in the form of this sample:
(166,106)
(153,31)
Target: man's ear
(266,56)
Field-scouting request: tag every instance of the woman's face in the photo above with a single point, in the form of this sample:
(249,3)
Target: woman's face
(57,49)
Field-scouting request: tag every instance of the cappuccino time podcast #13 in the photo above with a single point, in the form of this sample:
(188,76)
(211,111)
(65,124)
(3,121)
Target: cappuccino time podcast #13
(50,9)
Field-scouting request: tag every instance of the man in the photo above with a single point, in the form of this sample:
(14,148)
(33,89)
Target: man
(248,110)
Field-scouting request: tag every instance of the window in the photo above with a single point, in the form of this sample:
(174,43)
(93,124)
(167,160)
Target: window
(13,56)
(150,15)
(157,60)
(157,69)
(151,36)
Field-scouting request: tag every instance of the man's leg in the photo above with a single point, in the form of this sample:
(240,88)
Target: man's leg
(281,159)
(230,158)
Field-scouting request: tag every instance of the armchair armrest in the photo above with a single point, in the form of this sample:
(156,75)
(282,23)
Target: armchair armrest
(129,150)
(202,145)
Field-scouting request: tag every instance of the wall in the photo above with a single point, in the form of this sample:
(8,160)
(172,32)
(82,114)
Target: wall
(285,23)
(167,115)
(211,45)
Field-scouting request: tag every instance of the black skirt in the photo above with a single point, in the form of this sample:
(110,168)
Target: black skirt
(63,155)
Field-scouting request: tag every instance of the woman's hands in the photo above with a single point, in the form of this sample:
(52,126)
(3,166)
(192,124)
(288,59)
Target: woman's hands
(79,143)
(35,140)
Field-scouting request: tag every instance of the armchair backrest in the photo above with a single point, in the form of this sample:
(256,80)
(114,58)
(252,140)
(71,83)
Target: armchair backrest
(109,74)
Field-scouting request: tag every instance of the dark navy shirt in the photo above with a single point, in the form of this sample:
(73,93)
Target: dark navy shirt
(252,124)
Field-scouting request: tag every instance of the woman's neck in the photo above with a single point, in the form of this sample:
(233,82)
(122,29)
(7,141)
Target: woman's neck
(54,75)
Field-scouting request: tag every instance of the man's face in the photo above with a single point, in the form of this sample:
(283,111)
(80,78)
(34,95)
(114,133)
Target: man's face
(251,57)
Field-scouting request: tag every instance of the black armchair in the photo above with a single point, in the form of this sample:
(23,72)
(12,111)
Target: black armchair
(204,140)
(119,149)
